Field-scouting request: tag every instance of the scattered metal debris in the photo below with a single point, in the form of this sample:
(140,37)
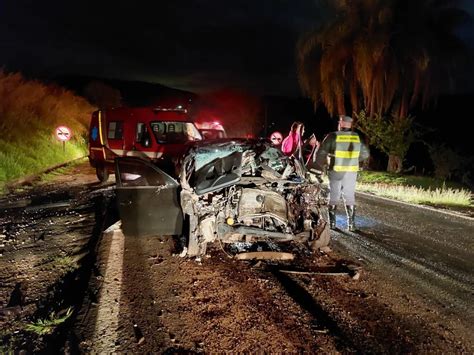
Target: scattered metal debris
(351,270)
(297,272)
(265,255)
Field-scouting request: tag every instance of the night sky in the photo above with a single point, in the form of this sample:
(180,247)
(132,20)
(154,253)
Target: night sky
(192,45)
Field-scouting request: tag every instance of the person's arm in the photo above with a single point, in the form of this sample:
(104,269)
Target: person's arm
(326,147)
(297,147)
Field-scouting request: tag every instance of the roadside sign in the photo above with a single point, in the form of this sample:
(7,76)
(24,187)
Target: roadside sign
(63,133)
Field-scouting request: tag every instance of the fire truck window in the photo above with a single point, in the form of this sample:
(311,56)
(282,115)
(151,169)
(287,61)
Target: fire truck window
(174,136)
(143,135)
(139,132)
(115,130)
(158,129)
(174,132)
(192,132)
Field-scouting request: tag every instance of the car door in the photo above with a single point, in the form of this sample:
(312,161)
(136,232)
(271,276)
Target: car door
(148,198)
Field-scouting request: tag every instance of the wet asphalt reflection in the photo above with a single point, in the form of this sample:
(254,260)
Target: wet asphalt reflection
(429,252)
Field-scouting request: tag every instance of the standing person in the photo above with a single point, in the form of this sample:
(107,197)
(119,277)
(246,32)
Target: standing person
(342,151)
(292,144)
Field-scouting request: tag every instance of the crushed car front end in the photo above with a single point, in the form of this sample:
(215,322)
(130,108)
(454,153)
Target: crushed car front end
(247,191)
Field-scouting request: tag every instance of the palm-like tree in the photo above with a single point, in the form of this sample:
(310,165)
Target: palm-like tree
(384,55)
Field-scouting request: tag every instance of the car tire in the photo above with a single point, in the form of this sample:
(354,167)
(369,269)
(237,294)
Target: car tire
(102,173)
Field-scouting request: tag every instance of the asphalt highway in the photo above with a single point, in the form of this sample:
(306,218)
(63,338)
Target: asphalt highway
(426,251)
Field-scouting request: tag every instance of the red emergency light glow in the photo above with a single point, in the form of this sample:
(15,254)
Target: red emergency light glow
(209,125)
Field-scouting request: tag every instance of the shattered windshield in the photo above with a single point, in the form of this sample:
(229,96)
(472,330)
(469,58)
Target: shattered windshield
(249,158)
(254,155)
(207,154)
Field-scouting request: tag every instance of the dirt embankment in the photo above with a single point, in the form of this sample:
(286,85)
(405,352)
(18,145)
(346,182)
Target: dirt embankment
(48,233)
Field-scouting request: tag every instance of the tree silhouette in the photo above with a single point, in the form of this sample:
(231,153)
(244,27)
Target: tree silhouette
(385,56)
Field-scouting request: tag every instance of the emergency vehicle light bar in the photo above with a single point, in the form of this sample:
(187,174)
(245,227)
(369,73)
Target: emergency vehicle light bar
(178,108)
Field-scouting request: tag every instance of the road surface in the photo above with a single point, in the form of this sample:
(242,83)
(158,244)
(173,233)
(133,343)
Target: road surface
(426,250)
(137,295)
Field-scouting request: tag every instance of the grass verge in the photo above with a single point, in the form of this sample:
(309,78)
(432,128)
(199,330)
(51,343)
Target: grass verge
(54,174)
(40,152)
(415,189)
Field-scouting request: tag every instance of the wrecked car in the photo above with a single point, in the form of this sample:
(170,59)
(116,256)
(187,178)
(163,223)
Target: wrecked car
(230,190)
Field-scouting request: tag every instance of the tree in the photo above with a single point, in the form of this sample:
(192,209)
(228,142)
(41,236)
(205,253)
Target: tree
(389,134)
(385,56)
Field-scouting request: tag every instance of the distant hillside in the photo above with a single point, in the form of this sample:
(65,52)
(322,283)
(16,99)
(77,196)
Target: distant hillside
(133,93)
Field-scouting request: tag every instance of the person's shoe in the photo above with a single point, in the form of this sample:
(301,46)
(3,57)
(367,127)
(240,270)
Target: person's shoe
(332,216)
(350,212)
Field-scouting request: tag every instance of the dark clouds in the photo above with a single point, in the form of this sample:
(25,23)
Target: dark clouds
(194,44)
(187,44)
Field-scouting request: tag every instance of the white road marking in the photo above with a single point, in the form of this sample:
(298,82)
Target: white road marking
(105,334)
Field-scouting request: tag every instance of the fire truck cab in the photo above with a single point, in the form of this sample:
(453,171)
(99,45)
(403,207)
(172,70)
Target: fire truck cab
(158,134)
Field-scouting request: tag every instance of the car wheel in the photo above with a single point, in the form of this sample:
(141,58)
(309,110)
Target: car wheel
(102,173)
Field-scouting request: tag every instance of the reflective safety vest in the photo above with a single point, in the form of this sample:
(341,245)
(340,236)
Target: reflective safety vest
(346,155)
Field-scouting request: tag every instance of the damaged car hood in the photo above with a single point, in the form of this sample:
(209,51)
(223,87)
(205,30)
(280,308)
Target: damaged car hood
(210,166)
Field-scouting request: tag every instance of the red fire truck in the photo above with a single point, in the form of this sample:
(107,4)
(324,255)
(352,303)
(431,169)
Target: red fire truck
(159,134)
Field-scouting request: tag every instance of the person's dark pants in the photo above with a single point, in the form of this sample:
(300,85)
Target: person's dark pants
(342,184)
